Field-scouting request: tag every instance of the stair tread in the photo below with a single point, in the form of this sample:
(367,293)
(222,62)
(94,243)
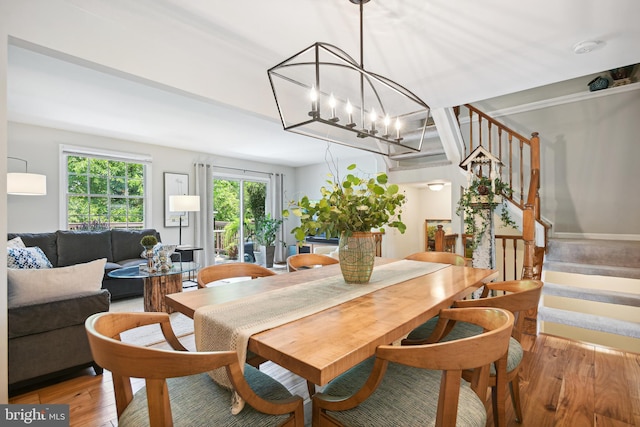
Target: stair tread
(592,269)
(590,321)
(601,295)
(592,251)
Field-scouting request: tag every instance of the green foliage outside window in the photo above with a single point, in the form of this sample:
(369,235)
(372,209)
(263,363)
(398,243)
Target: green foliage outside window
(103,193)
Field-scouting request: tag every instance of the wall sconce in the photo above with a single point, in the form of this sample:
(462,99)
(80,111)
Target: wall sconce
(184,204)
(26,184)
(435,186)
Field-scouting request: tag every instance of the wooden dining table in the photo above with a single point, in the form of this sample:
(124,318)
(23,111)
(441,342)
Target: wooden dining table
(321,346)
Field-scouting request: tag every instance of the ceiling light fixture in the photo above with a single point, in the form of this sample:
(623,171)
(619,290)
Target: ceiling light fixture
(324,93)
(435,186)
(26,184)
(587,46)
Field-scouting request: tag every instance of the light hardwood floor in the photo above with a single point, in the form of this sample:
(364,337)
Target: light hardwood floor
(563,383)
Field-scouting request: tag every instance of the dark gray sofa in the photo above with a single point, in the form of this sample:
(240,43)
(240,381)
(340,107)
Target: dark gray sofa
(48,339)
(121,248)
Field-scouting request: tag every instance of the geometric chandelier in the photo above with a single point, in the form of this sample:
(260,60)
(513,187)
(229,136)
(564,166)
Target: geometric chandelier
(324,93)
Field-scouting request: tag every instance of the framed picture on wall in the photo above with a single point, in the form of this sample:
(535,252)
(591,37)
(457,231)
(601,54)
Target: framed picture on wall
(175,184)
(431,225)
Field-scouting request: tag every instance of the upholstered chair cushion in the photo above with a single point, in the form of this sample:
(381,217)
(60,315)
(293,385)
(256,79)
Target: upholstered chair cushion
(463,330)
(407,396)
(197,400)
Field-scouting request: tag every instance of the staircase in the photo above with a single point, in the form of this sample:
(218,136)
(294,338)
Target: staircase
(592,287)
(592,292)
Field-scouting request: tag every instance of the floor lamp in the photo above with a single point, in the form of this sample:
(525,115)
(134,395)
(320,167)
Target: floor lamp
(184,204)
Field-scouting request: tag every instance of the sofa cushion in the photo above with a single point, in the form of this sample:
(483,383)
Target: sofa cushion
(26,287)
(45,241)
(125,244)
(75,247)
(27,258)
(50,315)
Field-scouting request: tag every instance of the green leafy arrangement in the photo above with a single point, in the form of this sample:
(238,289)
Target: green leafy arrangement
(354,205)
(480,200)
(149,241)
(267,230)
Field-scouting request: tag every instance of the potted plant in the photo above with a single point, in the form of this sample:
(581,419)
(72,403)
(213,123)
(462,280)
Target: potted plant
(350,209)
(478,203)
(265,235)
(148,242)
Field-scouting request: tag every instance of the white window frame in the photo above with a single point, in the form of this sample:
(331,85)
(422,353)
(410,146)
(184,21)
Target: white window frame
(73,150)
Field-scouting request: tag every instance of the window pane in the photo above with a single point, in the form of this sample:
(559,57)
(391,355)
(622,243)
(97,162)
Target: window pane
(117,169)
(135,187)
(77,164)
(99,167)
(98,208)
(136,211)
(104,193)
(117,186)
(77,184)
(135,170)
(97,185)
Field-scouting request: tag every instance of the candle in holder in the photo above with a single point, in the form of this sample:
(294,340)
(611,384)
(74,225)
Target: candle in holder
(398,129)
(373,116)
(332,105)
(349,109)
(314,101)
(387,120)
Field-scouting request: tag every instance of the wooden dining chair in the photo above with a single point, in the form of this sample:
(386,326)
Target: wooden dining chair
(300,261)
(519,297)
(420,385)
(441,257)
(177,387)
(231,270)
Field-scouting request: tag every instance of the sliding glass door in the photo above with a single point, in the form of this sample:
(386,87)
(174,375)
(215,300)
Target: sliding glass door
(237,202)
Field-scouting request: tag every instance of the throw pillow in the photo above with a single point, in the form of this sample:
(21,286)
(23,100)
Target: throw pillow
(27,287)
(27,258)
(16,243)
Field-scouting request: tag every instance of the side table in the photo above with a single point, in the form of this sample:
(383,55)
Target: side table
(186,254)
(157,285)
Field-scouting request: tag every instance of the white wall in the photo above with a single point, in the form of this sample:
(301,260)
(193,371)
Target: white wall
(40,146)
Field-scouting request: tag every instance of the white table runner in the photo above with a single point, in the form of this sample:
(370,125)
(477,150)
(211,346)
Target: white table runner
(229,326)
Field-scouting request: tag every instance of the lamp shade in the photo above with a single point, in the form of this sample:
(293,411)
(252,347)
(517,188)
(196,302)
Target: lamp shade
(26,184)
(184,203)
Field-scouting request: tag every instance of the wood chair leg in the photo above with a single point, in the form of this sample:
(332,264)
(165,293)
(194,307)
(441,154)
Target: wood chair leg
(514,387)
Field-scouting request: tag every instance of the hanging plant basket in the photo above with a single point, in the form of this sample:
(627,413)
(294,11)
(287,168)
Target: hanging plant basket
(480,200)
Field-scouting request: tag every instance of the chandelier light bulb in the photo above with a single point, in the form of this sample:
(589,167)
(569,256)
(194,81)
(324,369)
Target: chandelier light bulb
(349,109)
(332,105)
(398,126)
(313,95)
(373,116)
(387,120)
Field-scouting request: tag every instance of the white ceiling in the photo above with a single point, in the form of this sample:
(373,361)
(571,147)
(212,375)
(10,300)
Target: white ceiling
(192,73)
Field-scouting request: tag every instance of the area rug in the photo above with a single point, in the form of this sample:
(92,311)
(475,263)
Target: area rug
(150,335)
